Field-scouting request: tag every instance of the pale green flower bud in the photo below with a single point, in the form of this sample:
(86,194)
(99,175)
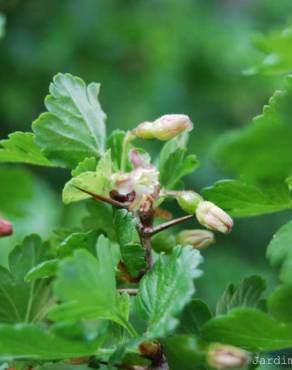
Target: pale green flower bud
(199,239)
(188,201)
(164,128)
(222,357)
(213,217)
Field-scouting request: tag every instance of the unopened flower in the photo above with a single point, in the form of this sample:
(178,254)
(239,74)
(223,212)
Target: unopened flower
(164,128)
(213,217)
(199,239)
(223,356)
(189,201)
(6,228)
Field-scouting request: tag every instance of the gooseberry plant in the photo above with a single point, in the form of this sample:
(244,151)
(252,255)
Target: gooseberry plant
(120,292)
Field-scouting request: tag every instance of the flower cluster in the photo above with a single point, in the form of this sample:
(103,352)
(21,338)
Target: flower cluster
(141,187)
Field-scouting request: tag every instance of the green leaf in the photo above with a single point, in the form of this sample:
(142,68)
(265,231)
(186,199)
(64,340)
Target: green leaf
(276,55)
(26,341)
(185,352)
(74,127)
(115,144)
(250,329)
(86,287)
(167,288)
(21,147)
(43,270)
(267,140)
(132,252)
(23,301)
(240,199)
(280,303)
(97,181)
(79,240)
(195,314)
(279,252)
(100,218)
(247,294)
(174,163)
(177,166)
(88,164)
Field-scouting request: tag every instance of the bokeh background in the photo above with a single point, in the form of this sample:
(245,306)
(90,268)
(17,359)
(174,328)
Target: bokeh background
(152,57)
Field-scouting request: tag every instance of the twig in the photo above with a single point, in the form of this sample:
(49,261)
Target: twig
(101,198)
(146,243)
(166,225)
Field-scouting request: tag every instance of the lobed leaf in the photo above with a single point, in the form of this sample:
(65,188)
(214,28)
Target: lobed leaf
(30,342)
(250,329)
(86,287)
(132,252)
(266,141)
(97,181)
(74,126)
(240,199)
(247,294)
(167,288)
(21,147)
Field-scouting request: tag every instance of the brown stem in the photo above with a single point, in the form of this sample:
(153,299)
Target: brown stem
(146,243)
(101,198)
(130,291)
(166,225)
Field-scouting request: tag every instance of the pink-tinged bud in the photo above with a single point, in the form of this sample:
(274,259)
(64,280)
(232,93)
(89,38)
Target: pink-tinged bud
(6,228)
(222,356)
(213,217)
(139,159)
(164,128)
(189,201)
(199,239)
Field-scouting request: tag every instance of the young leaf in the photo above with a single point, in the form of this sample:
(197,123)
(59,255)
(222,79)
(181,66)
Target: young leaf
(88,164)
(115,144)
(247,294)
(23,301)
(174,163)
(86,287)
(167,288)
(43,270)
(21,147)
(279,251)
(267,140)
(240,199)
(97,181)
(74,127)
(100,218)
(280,303)
(26,341)
(177,166)
(133,254)
(195,314)
(250,329)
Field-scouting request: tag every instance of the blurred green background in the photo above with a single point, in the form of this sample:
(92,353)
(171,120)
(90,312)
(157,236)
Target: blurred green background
(152,57)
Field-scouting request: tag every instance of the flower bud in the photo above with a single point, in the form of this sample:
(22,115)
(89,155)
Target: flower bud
(223,356)
(199,239)
(164,128)
(5,228)
(213,217)
(189,201)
